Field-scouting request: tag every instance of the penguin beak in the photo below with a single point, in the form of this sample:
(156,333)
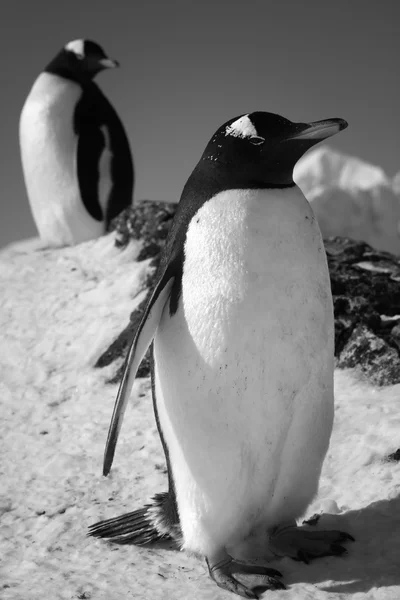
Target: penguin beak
(318,130)
(108,63)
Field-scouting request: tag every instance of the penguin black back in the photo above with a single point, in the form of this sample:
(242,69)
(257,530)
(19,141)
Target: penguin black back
(98,128)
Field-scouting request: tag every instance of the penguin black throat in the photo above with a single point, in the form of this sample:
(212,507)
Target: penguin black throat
(223,175)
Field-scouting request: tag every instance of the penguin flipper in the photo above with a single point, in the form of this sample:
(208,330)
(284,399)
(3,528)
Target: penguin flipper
(98,128)
(142,340)
(90,147)
(152,523)
(91,143)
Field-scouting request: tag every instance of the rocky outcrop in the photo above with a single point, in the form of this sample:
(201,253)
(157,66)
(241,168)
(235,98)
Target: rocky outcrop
(366,295)
(148,221)
(365,287)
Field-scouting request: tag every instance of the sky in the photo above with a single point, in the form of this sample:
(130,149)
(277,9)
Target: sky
(188,66)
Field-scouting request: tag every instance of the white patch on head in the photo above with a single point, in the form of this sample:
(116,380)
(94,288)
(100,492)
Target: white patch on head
(242,127)
(77,47)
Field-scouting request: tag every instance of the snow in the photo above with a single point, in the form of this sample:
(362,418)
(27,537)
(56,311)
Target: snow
(59,311)
(76,46)
(390,317)
(351,198)
(396,183)
(372,267)
(242,127)
(324,167)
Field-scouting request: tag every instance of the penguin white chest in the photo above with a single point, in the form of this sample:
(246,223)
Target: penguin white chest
(244,369)
(48,146)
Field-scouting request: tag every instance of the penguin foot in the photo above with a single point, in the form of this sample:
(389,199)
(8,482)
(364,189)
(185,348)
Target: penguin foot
(243,579)
(305,545)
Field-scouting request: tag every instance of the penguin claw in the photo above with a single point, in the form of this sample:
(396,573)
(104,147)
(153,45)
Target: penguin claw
(226,575)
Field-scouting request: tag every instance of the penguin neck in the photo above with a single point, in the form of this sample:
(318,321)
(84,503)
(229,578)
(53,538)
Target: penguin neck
(211,178)
(221,176)
(62,69)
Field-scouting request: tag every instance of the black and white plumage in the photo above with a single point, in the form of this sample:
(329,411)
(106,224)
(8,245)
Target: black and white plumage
(242,334)
(75,153)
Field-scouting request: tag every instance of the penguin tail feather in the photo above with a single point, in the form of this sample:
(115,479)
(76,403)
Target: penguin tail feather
(143,526)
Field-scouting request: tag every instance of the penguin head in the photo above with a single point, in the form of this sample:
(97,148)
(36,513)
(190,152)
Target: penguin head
(80,60)
(264,148)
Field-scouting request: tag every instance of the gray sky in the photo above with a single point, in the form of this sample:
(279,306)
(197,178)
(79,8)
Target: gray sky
(186,67)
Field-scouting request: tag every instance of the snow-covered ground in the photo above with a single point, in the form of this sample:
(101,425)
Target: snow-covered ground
(59,310)
(351,198)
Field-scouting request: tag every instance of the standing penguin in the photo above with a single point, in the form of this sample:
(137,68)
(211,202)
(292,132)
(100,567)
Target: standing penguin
(241,321)
(75,154)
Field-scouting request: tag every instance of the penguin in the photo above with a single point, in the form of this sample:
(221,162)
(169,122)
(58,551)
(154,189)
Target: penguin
(241,327)
(75,154)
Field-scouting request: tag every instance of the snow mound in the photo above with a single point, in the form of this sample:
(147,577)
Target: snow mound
(60,309)
(396,183)
(324,167)
(351,198)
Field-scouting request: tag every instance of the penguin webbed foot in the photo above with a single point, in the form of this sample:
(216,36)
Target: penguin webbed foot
(243,579)
(305,545)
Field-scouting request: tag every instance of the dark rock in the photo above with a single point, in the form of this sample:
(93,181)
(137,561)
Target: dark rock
(120,346)
(395,456)
(395,333)
(148,221)
(313,520)
(365,287)
(372,355)
(366,296)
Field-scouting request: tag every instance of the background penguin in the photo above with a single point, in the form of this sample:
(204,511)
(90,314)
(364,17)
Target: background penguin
(75,153)
(243,330)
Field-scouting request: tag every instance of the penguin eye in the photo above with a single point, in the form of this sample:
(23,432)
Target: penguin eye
(256,140)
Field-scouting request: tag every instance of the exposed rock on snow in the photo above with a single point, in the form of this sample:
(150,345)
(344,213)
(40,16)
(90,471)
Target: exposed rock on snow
(59,311)
(351,198)
(365,287)
(395,456)
(366,296)
(149,223)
